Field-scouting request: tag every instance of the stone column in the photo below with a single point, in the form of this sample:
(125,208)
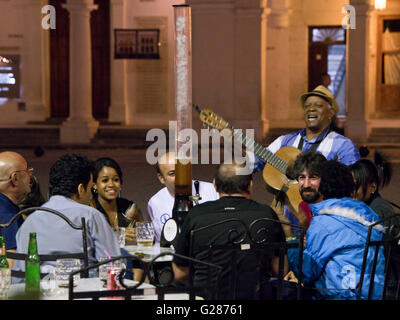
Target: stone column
(279,110)
(227,60)
(80,127)
(118,111)
(32,72)
(247,66)
(357,127)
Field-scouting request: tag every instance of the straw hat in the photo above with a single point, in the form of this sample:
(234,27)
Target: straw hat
(324,93)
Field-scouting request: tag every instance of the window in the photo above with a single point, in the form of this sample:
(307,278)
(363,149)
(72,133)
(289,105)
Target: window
(388,69)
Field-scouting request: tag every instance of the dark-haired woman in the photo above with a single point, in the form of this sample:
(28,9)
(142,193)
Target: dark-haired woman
(368,178)
(119,212)
(33,198)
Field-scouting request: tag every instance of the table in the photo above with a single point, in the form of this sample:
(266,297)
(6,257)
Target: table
(149,253)
(17,291)
(161,269)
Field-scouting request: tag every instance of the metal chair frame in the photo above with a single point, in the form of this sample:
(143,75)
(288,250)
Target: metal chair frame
(50,257)
(160,289)
(388,244)
(236,242)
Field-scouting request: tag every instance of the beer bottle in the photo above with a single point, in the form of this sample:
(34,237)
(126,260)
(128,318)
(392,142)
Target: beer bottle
(32,266)
(3,257)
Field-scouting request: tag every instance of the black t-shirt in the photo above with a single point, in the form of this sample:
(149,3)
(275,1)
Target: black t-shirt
(220,236)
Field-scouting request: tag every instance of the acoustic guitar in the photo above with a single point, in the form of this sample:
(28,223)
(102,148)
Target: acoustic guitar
(278,170)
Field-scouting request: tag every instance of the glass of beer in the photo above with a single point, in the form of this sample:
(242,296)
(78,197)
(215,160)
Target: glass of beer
(144,234)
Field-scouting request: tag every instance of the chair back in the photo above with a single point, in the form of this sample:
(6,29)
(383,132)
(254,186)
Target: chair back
(244,251)
(125,293)
(167,284)
(389,246)
(51,257)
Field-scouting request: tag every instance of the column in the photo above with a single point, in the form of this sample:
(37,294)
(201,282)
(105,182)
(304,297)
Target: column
(248,66)
(32,71)
(80,127)
(118,111)
(232,32)
(357,127)
(279,111)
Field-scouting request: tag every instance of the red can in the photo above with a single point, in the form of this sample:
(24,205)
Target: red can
(113,281)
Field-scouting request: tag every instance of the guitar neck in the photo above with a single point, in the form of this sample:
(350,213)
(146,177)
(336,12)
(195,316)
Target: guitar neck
(262,152)
(217,122)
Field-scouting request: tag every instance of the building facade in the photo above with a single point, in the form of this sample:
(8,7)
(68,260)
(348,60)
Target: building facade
(252,59)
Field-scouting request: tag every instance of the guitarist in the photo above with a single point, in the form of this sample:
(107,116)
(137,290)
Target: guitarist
(319,107)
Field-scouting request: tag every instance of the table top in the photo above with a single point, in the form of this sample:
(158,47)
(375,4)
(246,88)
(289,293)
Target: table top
(52,292)
(149,253)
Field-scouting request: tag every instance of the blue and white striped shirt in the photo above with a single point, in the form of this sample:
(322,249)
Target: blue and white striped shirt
(333,146)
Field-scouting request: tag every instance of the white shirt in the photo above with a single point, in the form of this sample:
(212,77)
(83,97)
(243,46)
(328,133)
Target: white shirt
(161,204)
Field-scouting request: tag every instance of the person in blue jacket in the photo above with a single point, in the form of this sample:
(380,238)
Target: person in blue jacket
(335,241)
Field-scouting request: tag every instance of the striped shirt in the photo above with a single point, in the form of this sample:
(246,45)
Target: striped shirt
(332,145)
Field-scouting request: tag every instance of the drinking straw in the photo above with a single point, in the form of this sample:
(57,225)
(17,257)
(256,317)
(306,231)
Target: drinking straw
(109,257)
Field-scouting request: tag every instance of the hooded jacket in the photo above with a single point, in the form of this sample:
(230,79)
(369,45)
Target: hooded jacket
(335,244)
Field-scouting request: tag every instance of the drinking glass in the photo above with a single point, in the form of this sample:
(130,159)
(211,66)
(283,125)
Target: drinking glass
(103,269)
(5,283)
(120,232)
(144,234)
(63,269)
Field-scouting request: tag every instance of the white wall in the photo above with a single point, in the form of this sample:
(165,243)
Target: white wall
(155,74)
(287,54)
(11,42)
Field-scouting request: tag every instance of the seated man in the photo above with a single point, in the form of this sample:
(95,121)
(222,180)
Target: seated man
(235,193)
(70,184)
(336,238)
(161,204)
(14,186)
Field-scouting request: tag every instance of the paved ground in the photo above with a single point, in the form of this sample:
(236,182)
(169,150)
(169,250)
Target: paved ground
(140,181)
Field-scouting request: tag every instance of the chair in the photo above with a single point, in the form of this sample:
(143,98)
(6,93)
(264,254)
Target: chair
(126,293)
(50,257)
(285,290)
(248,249)
(165,282)
(391,249)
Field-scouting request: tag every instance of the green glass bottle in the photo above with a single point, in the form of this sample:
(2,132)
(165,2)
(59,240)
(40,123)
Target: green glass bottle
(32,266)
(3,257)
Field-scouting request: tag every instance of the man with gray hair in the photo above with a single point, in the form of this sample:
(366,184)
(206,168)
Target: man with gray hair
(235,203)
(14,186)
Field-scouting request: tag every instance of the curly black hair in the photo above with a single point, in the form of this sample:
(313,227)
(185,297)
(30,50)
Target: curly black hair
(336,180)
(68,172)
(310,161)
(106,162)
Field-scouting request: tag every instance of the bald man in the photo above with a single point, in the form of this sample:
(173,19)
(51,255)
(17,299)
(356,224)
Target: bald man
(235,202)
(14,186)
(159,207)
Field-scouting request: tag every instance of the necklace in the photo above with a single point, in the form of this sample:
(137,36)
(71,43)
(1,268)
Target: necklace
(114,220)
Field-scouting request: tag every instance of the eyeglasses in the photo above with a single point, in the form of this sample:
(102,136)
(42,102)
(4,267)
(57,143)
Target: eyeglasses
(29,171)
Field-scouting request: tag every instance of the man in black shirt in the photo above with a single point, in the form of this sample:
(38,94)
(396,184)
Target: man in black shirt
(234,203)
